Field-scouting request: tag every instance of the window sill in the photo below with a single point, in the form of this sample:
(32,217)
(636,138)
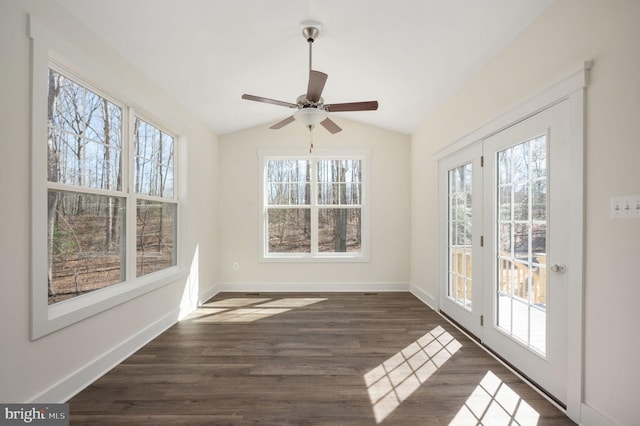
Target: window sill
(307,258)
(68,312)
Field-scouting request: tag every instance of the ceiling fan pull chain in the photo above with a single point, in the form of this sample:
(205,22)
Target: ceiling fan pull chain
(310,139)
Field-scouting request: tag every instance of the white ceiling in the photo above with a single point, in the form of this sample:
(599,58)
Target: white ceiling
(410,55)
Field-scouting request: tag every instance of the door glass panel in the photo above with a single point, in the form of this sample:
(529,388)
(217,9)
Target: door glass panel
(460,235)
(521,283)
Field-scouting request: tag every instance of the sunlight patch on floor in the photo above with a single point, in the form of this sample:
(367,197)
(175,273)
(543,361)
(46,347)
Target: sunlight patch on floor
(392,382)
(292,302)
(492,402)
(242,315)
(247,309)
(199,313)
(234,302)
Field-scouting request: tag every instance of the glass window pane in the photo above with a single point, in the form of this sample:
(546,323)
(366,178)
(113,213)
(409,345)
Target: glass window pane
(539,157)
(353,195)
(521,202)
(288,182)
(468,170)
(504,203)
(84,142)
(460,234)
(521,283)
(504,239)
(504,312)
(339,182)
(539,239)
(520,162)
(539,200)
(505,275)
(289,230)
(85,243)
(156,225)
(328,193)
(339,230)
(336,183)
(469,288)
(154,157)
(504,167)
(520,315)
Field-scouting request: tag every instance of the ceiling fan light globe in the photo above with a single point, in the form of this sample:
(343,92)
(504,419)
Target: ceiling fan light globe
(310,116)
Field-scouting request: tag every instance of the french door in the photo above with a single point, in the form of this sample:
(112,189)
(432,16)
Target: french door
(461,195)
(506,244)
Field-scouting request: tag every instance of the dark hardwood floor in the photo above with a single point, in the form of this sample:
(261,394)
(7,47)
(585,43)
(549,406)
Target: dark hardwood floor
(322,358)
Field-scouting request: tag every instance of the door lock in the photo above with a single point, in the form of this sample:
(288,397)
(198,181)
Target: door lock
(558,267)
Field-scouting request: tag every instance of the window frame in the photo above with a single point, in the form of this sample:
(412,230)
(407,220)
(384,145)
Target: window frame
(315,255)
(50,51)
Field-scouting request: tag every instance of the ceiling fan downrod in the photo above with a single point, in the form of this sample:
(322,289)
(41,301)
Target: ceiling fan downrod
(310,34)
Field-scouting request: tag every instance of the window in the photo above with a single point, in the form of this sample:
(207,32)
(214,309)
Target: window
(314,207)
(87,202)
(156,211)
(86,205)
(105,202)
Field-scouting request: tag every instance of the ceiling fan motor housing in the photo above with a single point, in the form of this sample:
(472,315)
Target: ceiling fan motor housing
(304,102)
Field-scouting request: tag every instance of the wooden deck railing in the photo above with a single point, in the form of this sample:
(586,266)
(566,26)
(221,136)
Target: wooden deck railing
(461,268)
(514,276)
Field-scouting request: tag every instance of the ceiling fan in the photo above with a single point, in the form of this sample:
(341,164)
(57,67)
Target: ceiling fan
(311,109)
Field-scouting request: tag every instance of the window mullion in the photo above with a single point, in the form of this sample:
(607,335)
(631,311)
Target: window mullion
(314,207)
(128,176)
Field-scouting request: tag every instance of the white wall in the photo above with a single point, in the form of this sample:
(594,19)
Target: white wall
(223,223)
(239,211)
(568,33)
(51,367)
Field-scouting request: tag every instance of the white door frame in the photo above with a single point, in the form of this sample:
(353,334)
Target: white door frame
(570,89)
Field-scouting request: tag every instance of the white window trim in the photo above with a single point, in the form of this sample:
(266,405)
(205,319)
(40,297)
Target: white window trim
(49,48)
(265,155)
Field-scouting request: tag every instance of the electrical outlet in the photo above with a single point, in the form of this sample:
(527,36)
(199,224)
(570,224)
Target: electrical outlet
(625,207)
(236,266)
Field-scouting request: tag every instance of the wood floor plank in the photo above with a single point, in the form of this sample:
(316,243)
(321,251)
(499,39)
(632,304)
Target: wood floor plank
(325,358)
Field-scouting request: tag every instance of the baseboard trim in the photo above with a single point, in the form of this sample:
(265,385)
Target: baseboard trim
(591,417)
(68,387)
(208,294)
(425,297)
(311,287)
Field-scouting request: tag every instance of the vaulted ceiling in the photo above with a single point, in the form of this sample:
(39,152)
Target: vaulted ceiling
(410,55)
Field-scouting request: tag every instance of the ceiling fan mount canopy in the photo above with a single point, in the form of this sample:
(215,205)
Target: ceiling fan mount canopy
(311,107)
(310,33)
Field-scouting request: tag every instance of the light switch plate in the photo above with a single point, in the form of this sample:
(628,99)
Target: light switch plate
(625,207)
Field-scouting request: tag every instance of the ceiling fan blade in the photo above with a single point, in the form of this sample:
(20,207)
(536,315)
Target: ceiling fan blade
(268,101)
(317,80)
(353,106)
(330,125)
(283,123)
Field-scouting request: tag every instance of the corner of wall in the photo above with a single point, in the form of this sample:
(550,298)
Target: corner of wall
(425,297)
(591,417)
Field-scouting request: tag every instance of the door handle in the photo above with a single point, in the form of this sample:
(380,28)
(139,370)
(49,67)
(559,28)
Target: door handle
(558,267)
